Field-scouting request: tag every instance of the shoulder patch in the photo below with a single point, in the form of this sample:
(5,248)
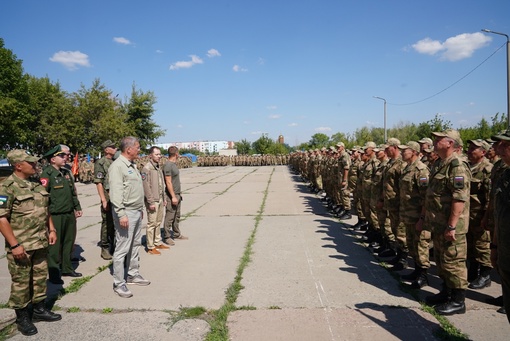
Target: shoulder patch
(458,182)
(424,181)
(3,201)
(99,175)
(455,162)
(144,176)
(44,181)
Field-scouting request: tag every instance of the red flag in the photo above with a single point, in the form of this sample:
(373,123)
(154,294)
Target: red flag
(74,169)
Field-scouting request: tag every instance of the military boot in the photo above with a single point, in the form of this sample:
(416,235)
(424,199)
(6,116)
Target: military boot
(456,304)
(105,254)
(390,250)
(24,322)
(421,280)
(441,297)
(473,270)
(401,264)
(395,259)
(41,313)
(413,275)
(483,280)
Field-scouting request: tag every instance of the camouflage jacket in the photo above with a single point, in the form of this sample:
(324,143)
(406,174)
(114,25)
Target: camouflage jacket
(412,186)
(391,192)
(480,188)
(25,204)
(451,180)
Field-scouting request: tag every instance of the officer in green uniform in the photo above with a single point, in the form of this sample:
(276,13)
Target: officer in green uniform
(447,213)
(27,229)
(64,209)
(101,166)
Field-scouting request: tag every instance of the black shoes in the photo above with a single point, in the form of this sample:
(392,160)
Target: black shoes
(480,282)
(442,297)
(41,313)
(455,305)
(24,322)
(56,280)
(72,274)
(345,216)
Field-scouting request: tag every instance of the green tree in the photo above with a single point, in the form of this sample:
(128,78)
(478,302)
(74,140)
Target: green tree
(263,145)
(243,147)
(15,118)
(319,140)
(139,110)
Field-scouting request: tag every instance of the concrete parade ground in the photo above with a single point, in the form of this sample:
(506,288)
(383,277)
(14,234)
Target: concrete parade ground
(309,277)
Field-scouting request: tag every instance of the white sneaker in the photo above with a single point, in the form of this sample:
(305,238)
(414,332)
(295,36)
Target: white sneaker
(138,280)
(122,291)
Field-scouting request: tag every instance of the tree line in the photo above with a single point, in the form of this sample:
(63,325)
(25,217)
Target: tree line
(36,113)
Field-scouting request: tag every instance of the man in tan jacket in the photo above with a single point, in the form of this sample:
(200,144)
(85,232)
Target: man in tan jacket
(154,191)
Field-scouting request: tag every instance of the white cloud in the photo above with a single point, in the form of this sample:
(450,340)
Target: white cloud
(122,40)
(274,117)
(454,48)
(159,51)
(246,122)
(179,126)
(293,124)
(237,68)
(271,107)
(261,61)
(323,129)
(186,64)
(71,59)
(213,53)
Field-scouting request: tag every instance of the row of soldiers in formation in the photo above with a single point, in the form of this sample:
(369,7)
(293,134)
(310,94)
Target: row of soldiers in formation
(403,195)
(86,166)
(243,160)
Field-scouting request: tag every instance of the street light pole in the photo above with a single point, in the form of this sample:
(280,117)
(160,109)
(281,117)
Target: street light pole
(385,134)
(507,73)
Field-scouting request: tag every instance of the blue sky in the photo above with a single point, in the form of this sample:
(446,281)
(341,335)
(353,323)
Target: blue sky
(229,70)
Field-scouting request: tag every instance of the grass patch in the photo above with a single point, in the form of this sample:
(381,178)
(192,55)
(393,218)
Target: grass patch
(448,331)
(246,307)
(107,310)
(274,307)
(76,284)
(187,313)
(219,330)
(4,306)
(73,310)
(7,331)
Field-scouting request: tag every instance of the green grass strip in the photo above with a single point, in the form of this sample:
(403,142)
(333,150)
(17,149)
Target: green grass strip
(219,329)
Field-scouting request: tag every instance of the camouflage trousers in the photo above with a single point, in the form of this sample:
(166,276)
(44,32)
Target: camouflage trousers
(107,229)
(345,198)
(397,229)
(358,205)
(28,278)
(369,211)
(384,223)
(478,243)
(450,257)
(418,245)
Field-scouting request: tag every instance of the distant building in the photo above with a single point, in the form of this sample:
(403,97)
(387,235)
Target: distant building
(201,146)
(280,139)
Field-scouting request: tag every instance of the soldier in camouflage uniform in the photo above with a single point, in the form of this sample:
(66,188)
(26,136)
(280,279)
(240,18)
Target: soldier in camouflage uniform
(344,165)
(500,248)
(413,186)
(447,213)
(28,230)
(377,201)
(478,239)
(391,197)
(367,174)
(107,234)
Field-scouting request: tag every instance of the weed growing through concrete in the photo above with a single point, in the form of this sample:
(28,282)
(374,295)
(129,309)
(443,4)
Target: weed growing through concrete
(219,330)
(73,310)
(107,310)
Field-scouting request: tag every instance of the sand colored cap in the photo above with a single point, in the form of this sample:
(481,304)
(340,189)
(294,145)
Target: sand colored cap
(370,144)
(450,133)
(340,144)
(393,141)
(20,155)
(410,145)
(426,140)
(108,143)
(480,143)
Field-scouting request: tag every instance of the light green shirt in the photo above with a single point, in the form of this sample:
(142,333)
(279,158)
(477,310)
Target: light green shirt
(126,186)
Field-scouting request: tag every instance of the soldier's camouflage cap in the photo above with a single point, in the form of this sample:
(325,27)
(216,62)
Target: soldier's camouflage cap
(480,143)
(108,143)
(429,150)
(332,148)
(410,145)
(340,144)
(20,155)
(369,144)
(393,141)
(450,133)
(503,136)
(426,140)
